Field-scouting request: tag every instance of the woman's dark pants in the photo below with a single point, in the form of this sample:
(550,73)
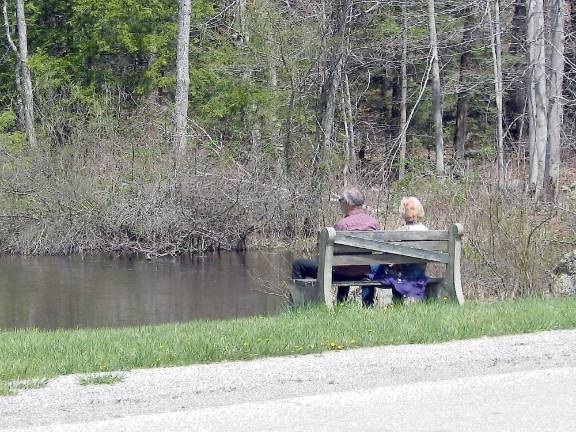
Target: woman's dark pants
(303,268)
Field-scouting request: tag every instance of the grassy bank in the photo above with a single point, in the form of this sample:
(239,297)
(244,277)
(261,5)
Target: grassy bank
(26,354)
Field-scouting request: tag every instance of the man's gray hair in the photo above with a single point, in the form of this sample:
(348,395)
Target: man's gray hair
(353,196)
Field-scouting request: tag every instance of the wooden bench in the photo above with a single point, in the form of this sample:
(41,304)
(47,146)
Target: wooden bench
(341,248)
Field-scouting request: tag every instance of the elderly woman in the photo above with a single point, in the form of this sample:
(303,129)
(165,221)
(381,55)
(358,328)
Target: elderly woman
(412,212)
(408,281)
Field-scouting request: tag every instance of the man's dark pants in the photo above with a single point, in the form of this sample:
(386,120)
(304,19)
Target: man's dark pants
(303,268)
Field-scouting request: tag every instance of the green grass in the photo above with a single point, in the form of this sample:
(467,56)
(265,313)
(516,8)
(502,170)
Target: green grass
(26,354)
(5,390)
(110,378)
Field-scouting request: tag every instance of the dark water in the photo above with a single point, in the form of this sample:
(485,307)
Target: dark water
(96,291)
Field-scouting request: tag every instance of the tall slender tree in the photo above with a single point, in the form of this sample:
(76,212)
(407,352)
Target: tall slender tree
(496,46)
(23,77)
(436,90)
(403,91)
(552,169)
(531,95)
(463,103)
(350,175)
(516,100)
(182,78)
(538,100)
(332,79)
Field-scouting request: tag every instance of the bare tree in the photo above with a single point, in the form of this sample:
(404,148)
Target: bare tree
(182,78)
(517,92)
(288,122)
(436,91)
(538,100)
(332,79)
(531,95)
(274,123)
(552,169)
(253,116)
(403,91)
(23,77)
(463,91)
(350,175)
(240,21)
(496,46)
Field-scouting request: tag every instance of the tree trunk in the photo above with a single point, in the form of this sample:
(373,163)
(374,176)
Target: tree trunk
(273,125)
(539,100)
(403,92)
(436,92)
(518,27)
(253,119)
(350,176)
(23,78)
(463,95)
(552,169)
(515,102)
(327,103)
(288,146)
(182,79)
(496,46)
(27,96)
(569,85)
(531,96)
(240,25)
(328,107)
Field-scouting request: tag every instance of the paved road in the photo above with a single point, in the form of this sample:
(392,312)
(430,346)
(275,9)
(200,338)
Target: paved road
(516,383)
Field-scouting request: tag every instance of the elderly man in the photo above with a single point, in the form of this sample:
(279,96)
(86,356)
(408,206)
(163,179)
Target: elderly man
(355,219)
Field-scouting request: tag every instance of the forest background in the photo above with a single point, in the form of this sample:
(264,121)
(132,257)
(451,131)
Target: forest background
(468,105)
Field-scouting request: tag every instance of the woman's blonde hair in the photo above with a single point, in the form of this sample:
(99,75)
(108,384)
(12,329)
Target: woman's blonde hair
(411,209)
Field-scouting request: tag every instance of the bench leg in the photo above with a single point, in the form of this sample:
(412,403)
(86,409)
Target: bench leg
(453,281)
(324,278)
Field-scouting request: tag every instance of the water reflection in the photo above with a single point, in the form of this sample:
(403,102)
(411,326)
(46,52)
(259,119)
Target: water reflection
(68,292)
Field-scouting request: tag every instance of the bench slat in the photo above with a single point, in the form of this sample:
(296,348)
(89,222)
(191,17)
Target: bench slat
(357,283)
(390,248)
(310,283)
(366,259)
(438,246)
(397,236)
(362,283)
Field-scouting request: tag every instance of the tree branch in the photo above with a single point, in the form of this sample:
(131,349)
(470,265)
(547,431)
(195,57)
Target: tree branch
(7,28)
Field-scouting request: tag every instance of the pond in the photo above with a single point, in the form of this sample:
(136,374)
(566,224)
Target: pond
(98,291)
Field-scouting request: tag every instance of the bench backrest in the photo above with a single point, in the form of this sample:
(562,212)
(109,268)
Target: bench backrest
(338,248)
